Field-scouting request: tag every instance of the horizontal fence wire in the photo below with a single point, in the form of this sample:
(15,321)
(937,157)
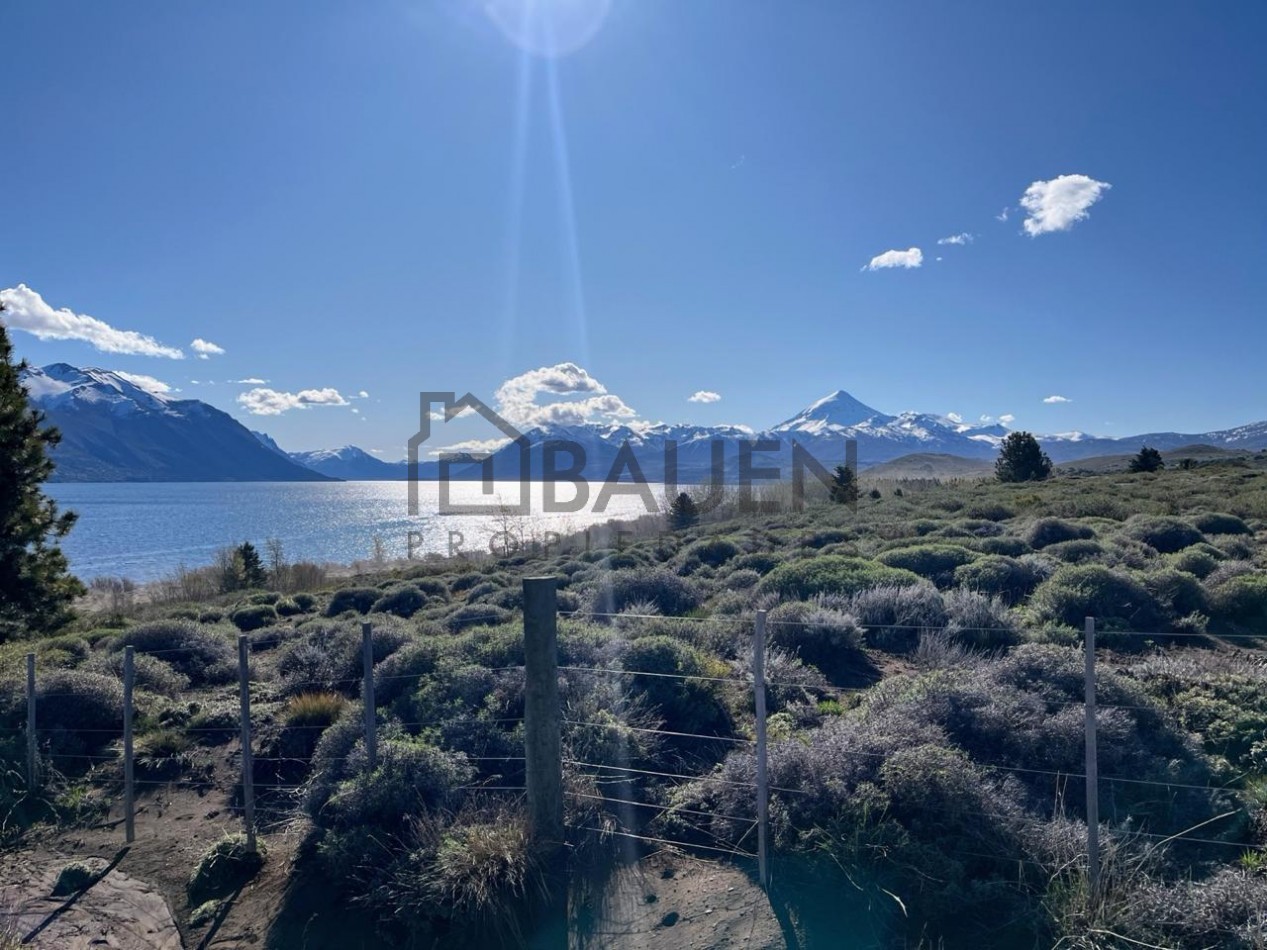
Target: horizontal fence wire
(685,845)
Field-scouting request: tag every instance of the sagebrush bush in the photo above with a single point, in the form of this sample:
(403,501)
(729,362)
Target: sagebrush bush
(833,574)
(198,652)
(477,615)
(403,602)
(937,562)
(672,595)
(688,704)
(305,602)
(225,866)
(87,707)
(999,576)
(1047,531)
(829,640)
(1005,545)
(1114,598)
(760,561)
(74,877)
(359,599)
(1075,552)
(1178,593)
(980,621)
(254,617)
(149,672)
(1163,534)
(1194,561)
(713,551)
(1242,603)
(894,617)
(1215,523)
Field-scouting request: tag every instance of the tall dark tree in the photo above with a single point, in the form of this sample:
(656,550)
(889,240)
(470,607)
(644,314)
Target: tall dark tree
(683,513)
(844,486)
(1148,460)
(253,574)
(1022,459)
(36,588)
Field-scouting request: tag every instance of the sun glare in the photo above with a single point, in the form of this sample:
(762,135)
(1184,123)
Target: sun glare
(548,28)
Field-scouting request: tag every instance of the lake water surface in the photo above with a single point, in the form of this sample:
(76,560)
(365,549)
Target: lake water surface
(143,530)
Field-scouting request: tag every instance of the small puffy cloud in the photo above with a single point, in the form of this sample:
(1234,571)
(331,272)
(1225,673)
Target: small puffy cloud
(954,417)
(1007,419)
(26,310)
(475,447)
(270,402)
(206,349)
(362,395)
(963,238)
(249,381)
(1002,215)
(704,395)
(1053,400)
(1059,204)
(516,398)
(148,383)
(912,257)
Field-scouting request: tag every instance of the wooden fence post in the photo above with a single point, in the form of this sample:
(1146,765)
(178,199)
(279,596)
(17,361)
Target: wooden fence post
(129,784)
(543,741)
(367,696)
(248,765)
(763,781)
(1092,766)
(32,762)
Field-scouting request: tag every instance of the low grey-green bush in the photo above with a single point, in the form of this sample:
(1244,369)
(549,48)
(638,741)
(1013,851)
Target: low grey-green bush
(402,602)
(1047,531)
(937,562)
(224,867)
(833,574)
(198,652)
(1164,534)
(359,599)
(253,618)
(1215,523)
(998,576)
(687,705)
(1113,597)
(672,595)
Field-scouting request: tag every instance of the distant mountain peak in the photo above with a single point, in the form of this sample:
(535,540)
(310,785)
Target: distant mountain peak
(835,410)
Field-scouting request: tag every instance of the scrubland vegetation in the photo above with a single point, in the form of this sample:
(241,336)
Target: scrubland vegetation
(926,720)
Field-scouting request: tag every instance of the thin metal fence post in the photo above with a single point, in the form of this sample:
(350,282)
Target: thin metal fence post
(367,696)
(763,781)
(248,765)
(543,725)
(1092,767)
(129,786)
(32,762)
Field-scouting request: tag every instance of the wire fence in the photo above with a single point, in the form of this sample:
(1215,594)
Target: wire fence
(638,796)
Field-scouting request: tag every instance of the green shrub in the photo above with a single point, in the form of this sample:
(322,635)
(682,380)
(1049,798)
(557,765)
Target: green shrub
(1075,552)
(288,608)
(1180,594)
(1163,534)
(359,599)
(313,710)
(672,595)
(937,562)
(1005,545)
(477,615)
(761,562)
(269,598)
(742,580)
(197,652)
(402,602)
(305,602)
(253,618)
(714,551)
(223,868)
(1214,523)
(1047,531)
(1194,561)
(215,724)
(1092,590)
(398,675)
(833,574)
(895,617)
(87,707)
(149,672)
(687,705)
(1242,602)
(980,621)
(989,511)
(827,639)
(998,576)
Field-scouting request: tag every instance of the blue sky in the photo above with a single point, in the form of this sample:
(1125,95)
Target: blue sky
(391,197)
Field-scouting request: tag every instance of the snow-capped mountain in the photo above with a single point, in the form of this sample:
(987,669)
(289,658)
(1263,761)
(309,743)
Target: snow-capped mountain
(118,427)
(350,464)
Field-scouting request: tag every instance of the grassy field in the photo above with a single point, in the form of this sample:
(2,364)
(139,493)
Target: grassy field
(926,719)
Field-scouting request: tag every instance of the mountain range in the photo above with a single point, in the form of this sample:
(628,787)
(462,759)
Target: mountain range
(114,428)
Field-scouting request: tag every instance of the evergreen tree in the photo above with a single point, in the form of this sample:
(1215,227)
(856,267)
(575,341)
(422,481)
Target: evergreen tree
(683,513)
(253,574)
(1148,460)
(36,589)
(1022,459)
(844,486)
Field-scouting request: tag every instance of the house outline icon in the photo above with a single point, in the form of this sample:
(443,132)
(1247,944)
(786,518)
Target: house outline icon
(453,406)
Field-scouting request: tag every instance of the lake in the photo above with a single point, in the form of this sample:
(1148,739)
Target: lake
(143,530)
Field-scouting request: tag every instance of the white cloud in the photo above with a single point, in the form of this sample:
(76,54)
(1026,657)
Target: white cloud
(954,417)
(249,381)
(362,395)
(356,412)
(478,447)
(705,395)
(1007,419)
(1002,215)
(270,402)
(913,257)
(205,349)
(517,398)
(963,238)
(148,383)
(26,310)
(1052,400)
(1058,204)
